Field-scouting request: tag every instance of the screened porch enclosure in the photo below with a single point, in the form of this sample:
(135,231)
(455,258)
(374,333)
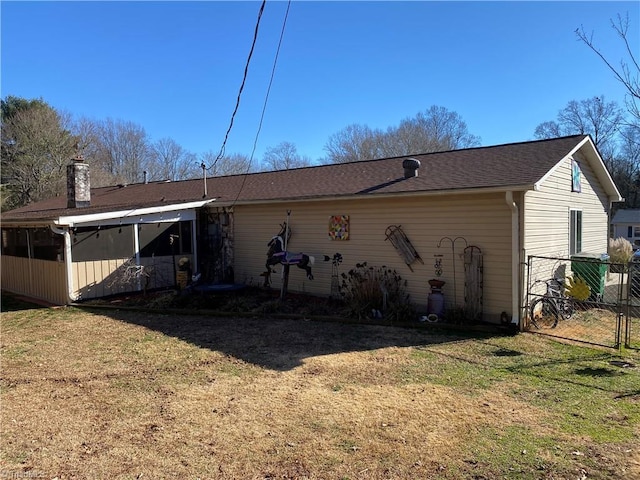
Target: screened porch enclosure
(128,258)
(101,260)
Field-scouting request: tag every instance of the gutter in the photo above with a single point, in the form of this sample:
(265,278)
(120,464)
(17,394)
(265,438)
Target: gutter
(360,196)
(515,258)
(67,260)
(135,213)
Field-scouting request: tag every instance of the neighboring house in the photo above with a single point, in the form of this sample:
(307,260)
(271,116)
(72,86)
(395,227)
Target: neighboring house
(626,224)
(546,197)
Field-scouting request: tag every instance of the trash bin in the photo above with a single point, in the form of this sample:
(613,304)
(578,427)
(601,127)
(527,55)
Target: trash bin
(592,268)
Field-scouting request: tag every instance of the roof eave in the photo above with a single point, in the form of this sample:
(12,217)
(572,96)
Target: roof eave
(72,220)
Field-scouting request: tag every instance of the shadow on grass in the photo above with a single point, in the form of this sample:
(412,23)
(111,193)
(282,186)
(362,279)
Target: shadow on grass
(10,302)
(279,343)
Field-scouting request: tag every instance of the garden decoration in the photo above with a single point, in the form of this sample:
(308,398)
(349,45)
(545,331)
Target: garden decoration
(335,276)
(278,254)
(437,265)
(399,240)
(435,301)
(578,288)
(453,255)
(473,283)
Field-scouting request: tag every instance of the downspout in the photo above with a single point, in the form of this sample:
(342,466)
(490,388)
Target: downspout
(67,260)
(29,257)
(136,246)
(515,258)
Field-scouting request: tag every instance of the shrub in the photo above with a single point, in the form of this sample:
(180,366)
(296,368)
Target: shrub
(376,292)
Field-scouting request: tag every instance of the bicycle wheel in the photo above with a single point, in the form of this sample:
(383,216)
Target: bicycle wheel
(544,313)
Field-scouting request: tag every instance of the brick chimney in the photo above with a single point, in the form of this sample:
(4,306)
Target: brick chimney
(78,187)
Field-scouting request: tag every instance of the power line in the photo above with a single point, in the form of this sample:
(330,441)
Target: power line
(244,79)
(264,106)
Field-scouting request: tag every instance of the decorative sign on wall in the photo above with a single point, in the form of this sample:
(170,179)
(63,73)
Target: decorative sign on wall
(575,176)
(339,227)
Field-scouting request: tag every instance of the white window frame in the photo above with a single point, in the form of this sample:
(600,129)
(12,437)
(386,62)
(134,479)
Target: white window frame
(576,222)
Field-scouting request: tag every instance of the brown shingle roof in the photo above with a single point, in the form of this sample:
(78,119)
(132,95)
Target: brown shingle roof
(511,165)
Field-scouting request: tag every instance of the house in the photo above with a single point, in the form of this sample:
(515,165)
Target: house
(416,214)
(626,224)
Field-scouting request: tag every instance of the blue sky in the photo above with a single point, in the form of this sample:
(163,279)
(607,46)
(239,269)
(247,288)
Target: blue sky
(175,68)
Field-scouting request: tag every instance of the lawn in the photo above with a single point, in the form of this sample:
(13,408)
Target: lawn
(131,395)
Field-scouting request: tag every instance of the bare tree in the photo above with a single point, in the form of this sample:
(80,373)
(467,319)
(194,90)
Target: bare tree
(86,132)
(594,116)
(283,157)
(122,150)
(170,161)
(354,143)
(228,165)
(625,169)
(37,145)
(436,129)
(549,129)
(628,71)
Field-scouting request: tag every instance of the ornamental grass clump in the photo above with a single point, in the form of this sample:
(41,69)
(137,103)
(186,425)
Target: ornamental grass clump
(376,293)
(620,250)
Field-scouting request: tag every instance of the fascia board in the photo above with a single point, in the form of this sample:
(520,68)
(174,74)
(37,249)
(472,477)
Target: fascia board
(342,198)
(136,215)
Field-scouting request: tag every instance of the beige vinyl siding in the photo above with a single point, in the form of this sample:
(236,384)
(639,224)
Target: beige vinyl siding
(100,278)
(483,220)
(94,279)
(548,211)
(41,279)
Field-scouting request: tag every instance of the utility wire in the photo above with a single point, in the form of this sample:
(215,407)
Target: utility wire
(264,106)
(244,79)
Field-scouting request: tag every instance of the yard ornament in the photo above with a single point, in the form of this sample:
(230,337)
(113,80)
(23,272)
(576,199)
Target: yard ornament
(577,288)
(278,255)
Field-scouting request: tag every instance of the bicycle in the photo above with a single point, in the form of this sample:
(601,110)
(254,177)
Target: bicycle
(547,310)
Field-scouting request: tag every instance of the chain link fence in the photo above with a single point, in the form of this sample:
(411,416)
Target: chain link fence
(584,299)
(632,327)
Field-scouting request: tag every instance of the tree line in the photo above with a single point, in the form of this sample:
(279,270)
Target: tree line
(38,142)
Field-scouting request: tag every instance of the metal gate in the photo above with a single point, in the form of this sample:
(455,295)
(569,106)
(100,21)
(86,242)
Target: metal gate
(588,300)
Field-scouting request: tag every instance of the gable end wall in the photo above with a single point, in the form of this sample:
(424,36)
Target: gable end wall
(547,212)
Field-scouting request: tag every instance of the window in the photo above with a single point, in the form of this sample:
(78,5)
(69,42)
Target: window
(575,232)
(636,231)
(629,231)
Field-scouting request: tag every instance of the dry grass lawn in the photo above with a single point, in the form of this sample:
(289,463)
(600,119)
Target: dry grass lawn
(114,394)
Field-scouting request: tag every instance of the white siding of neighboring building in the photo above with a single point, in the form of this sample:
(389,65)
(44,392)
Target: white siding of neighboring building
(547,213)
(621,230)
(481,220)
